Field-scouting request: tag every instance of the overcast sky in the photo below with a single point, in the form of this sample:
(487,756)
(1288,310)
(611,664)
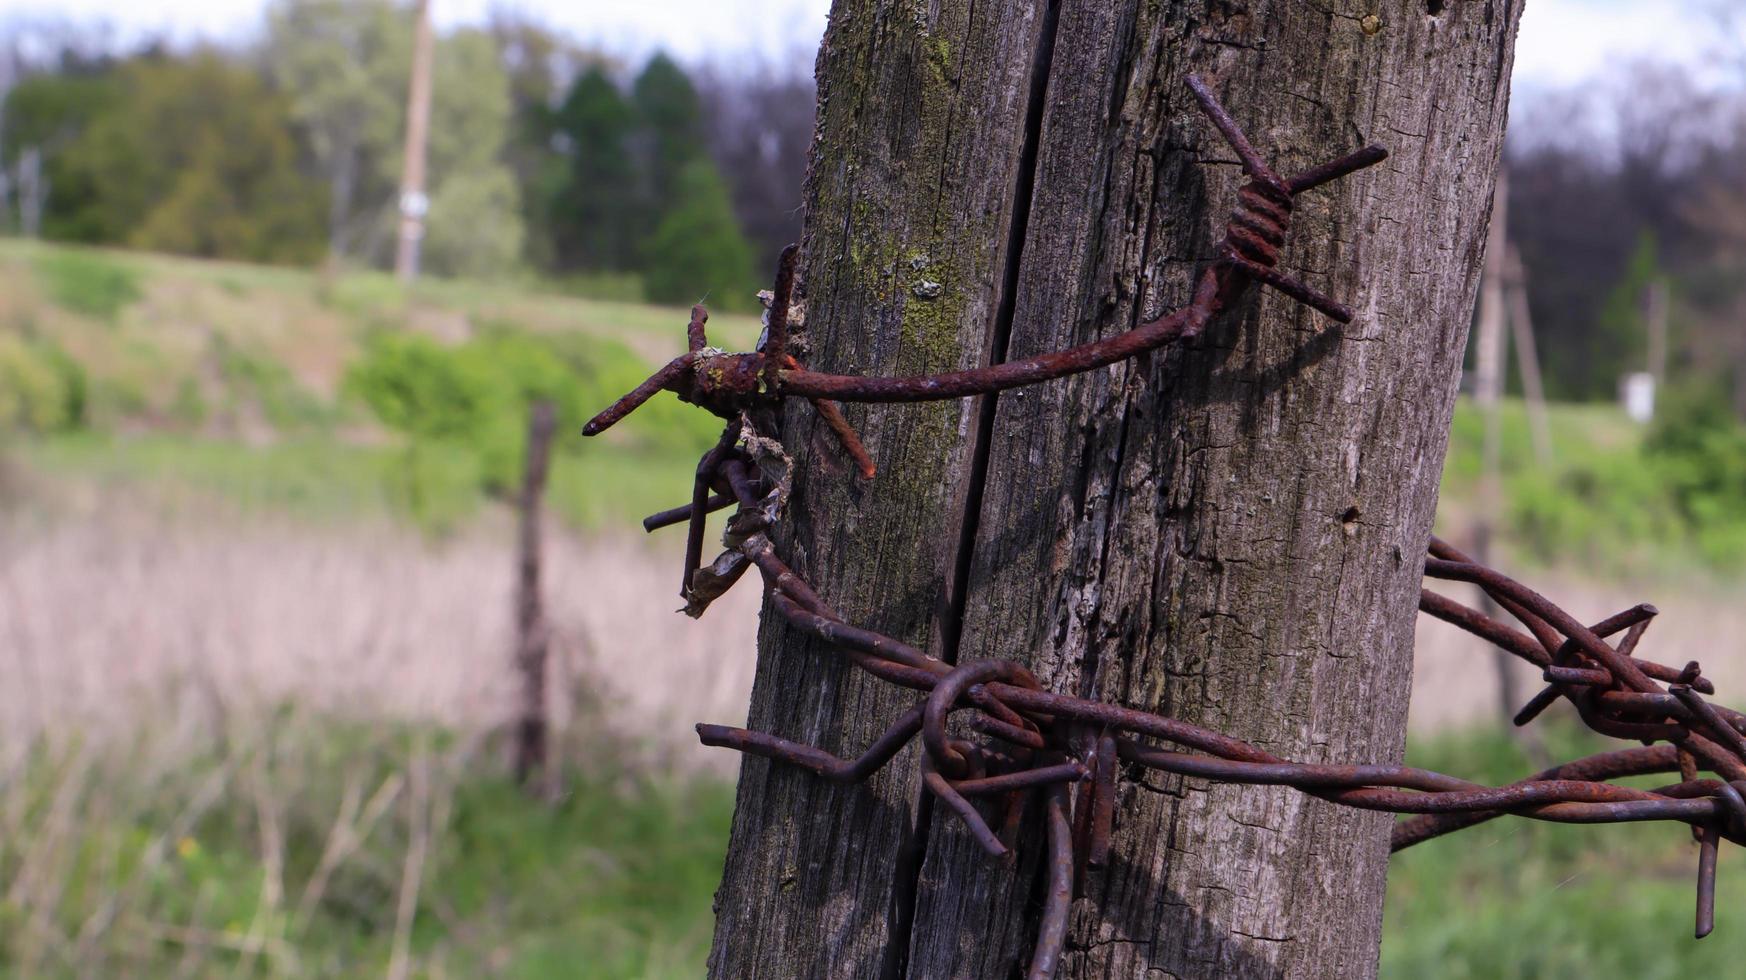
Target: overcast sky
(1561,40)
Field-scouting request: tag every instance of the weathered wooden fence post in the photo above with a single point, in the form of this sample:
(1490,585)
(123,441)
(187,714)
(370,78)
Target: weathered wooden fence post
(1230,534)
(532,634)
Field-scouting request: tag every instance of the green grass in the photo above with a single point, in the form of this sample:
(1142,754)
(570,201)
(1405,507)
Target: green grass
(223,382)
(1580,433)
(1522,899)
(1601,502)
(322,479)
(88,282)
(157,335)
(615,879)
(224,863)
(182,361)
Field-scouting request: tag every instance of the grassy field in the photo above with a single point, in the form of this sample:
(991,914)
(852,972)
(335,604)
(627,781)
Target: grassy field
(253,718)
(298,846)
(327,480)
(229,382)
(303,847)
(1520,899)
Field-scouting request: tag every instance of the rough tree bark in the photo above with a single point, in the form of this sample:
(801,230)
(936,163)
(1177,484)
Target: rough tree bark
(1231,534)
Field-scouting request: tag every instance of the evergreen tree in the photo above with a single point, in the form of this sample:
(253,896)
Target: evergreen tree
(698,251)
(1621,342)
(670,118)
(534,55)
(594,213)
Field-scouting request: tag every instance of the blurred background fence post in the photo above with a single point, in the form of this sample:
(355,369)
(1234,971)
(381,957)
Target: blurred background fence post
(533,632)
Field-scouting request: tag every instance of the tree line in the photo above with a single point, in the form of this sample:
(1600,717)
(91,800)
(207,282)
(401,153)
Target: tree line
(551,158)
(545,156)
(1636,179)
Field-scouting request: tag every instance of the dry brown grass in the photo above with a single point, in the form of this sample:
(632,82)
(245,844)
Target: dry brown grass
(1455,682)
(120,618)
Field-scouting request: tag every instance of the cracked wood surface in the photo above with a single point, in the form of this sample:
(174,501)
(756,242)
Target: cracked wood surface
(1230,534)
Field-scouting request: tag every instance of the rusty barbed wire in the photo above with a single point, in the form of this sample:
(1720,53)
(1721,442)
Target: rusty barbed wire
(1068,751)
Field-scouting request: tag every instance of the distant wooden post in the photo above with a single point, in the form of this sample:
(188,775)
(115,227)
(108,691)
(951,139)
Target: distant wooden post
(1527,354)
(1656,316)
(1489,356)
(532,634)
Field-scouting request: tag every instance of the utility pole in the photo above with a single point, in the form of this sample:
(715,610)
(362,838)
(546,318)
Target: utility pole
(413,200)
(1527,354)
(1656,317)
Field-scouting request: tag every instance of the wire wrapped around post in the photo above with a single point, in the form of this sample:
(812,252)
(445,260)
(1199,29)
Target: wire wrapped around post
(1064,749)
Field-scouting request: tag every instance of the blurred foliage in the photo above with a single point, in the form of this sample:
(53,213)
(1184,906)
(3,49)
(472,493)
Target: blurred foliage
(1621,341)
(44,115)
(540,152)
(253,378)
(697,252)
(88,282)
(474,399)
(1698,449)
(1617,180)
(42,389)
(594,204)
(279,851)
(474,228)
(1616,497)
(195,156)
(671,116)
(226,388)
(1523,900)
(343,66)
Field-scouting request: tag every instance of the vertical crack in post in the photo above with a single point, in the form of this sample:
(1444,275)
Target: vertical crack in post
(952,626)
(914,851)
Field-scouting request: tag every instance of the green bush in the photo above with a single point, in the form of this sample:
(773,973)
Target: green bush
(420,388)
(256,377)
(1616,495)
(1698,449)
(42,389)
(474,399)
(1593,510)
(88,283)
(698,251)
